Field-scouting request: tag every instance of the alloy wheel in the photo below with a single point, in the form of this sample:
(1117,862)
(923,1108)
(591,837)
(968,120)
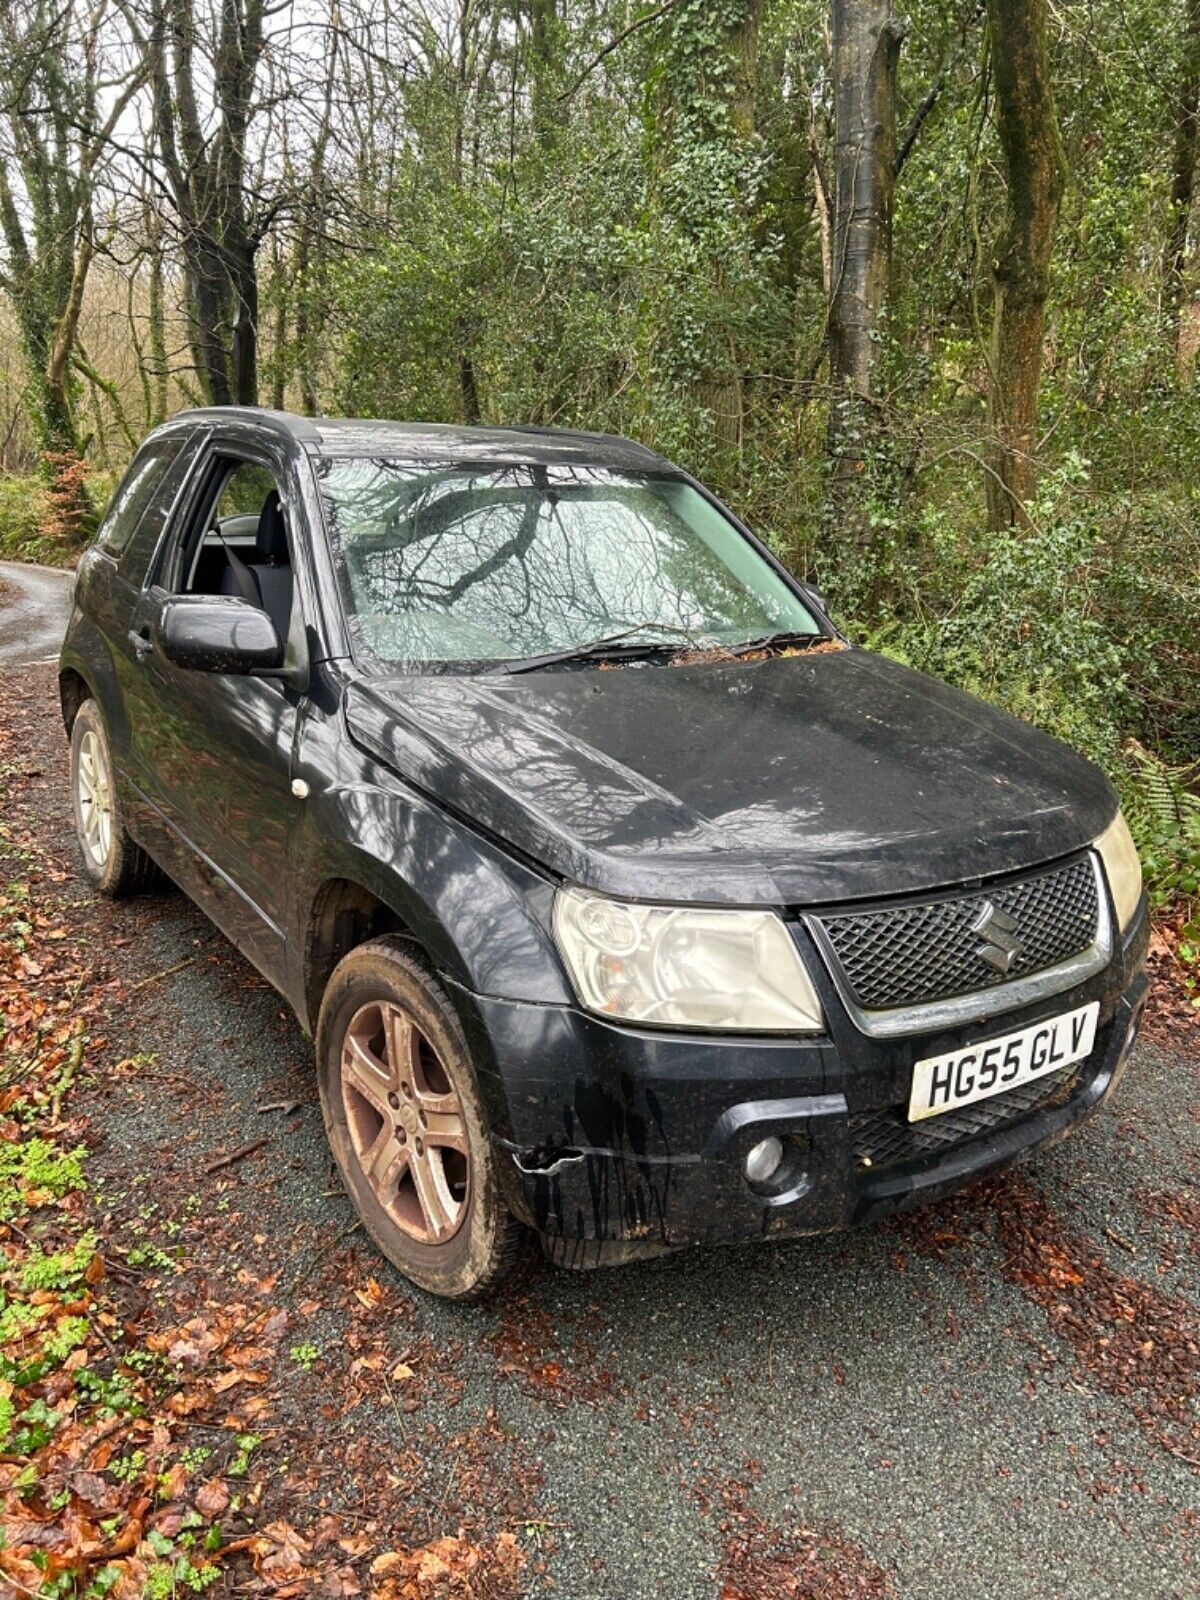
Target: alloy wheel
(406,1123)
(94,786)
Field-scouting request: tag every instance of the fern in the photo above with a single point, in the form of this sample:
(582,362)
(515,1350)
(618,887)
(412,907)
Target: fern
(1163,811)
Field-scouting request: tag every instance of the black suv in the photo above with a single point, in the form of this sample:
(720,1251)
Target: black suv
(625,899)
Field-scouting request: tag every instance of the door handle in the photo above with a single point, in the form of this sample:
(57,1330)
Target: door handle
(141,641)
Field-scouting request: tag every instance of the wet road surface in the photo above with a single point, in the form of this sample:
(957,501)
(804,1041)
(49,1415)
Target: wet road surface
(35,603)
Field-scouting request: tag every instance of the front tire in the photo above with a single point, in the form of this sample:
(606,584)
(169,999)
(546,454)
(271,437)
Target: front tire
(115,865)
(406,1123)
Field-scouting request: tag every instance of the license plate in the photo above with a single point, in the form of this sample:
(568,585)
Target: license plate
(959,1078)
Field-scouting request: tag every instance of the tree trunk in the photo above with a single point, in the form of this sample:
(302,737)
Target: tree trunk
(543,25)
(280,294)
(159,371)
(64,330)
(306,365)
(203,154)
(726,397)
(310,282)
(866,47)
(46,295)
(244,342)
(1185,159)
(1034,166)
(743,56)
(208,317)
(467,382)
(821,207)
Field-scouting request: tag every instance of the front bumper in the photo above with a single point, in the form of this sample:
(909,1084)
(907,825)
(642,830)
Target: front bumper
(619,1143)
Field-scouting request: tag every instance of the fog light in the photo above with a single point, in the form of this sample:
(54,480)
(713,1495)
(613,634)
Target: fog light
(762,1160)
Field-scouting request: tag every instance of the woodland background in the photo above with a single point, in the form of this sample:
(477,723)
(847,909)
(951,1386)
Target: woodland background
(917,291)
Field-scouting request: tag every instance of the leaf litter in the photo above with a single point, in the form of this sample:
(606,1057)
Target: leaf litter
(150,1439)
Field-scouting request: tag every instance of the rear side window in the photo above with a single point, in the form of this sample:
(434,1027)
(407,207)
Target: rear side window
(137,492)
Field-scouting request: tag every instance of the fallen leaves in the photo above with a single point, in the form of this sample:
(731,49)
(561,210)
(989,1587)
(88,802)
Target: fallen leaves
(701,655)
(370,1295)
(101,1475)
(1127,1335)
(528,1346)
(211,1498)
(454,1565)
(762,1561)
(1136,1341)
(1173,1012)
(154,1432)
(280,1555)
(97,1473)
(447,1566)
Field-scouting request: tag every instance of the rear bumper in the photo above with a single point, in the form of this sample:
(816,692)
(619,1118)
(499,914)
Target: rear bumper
(618,1143)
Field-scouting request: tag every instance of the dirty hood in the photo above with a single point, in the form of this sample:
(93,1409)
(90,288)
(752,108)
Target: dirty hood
(801,780)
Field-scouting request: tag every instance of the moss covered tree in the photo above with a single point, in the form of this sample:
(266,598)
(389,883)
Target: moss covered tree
(865,44)
(61,99)
(1034,172)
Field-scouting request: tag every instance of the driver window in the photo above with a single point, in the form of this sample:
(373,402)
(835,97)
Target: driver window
(243,549)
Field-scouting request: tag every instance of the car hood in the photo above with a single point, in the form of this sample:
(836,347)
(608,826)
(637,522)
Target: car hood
(814,778)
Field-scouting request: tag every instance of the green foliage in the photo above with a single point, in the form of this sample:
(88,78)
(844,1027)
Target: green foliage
(247,1444)
(16,1319)
(102,1581)
(63,1270)
(1164,815)
(69,1334)
(34,1171)
(23,512)
(657,267)
(111,1395)
(167,1579)
(36,1425)
(1026,629)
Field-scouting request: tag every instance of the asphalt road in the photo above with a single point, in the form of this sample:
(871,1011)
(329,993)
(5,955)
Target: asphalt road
(35,603)
(994,1398)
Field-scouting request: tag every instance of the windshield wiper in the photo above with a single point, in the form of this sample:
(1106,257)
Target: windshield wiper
(769,641)
(610,643)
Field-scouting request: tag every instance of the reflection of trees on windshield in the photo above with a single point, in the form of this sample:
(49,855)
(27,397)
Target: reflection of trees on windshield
(482,563)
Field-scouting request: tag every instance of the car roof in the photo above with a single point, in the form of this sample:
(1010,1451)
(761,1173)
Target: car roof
(436,441)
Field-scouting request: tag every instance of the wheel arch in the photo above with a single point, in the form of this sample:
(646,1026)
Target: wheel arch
(73,690)
(342,914)
(481,921)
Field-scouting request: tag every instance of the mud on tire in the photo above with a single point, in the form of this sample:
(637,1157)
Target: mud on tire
(113,863)
(406,1123)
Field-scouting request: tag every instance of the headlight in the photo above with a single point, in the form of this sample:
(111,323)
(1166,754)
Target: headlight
(1122,868)
(675,967)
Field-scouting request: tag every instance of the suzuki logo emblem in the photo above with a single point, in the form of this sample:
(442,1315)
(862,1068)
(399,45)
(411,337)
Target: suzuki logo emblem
(999,949)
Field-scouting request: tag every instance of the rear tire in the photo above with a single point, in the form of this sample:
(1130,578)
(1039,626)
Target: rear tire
(113,863)
(407,1126)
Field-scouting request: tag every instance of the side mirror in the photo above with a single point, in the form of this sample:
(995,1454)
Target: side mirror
(227,635)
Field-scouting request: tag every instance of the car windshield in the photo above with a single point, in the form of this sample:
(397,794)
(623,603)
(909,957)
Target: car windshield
(461,565)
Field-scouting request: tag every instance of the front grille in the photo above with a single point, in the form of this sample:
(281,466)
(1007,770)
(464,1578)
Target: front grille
(916,954)
(886,1138)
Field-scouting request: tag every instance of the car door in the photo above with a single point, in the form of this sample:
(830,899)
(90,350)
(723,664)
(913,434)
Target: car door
(214,752)
(110,575)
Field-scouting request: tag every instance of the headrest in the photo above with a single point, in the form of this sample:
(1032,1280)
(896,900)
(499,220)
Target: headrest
(270,543)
